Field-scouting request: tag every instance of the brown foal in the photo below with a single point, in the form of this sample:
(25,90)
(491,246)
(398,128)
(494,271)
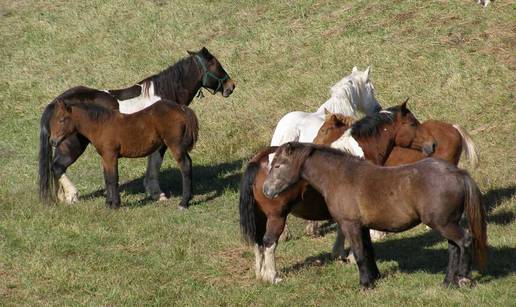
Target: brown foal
(116,135)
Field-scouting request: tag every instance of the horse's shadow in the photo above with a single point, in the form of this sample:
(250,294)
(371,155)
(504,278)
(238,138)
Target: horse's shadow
(418,253)
(208,182)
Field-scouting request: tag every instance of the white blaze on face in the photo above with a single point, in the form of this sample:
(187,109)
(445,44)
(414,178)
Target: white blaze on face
(139,103)
(347,143)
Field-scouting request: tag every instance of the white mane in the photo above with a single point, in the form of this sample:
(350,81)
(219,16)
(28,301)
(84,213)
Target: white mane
(346,96)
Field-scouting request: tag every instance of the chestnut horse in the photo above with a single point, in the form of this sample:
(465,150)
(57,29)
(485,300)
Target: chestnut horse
(395,126)
(179,82)
(362,196)
(439,140)
(114,135)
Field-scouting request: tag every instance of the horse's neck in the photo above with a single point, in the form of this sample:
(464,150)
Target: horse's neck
(378,147)
(190,85)
(328,165)
(343,105)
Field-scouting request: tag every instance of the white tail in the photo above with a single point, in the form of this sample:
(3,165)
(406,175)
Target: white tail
(468,146)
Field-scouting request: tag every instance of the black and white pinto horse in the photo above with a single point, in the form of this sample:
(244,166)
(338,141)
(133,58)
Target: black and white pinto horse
(179,82)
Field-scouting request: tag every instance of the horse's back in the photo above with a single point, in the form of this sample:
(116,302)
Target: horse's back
(80,94)
(306,125)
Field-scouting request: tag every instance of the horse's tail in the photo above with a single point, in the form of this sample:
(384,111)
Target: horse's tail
(191,131)
(476,219)
(468,146)
(46,176)
(250,216)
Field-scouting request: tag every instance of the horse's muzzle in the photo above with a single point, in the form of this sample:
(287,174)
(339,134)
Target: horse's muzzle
(428,148)
(228,88)
(268,193)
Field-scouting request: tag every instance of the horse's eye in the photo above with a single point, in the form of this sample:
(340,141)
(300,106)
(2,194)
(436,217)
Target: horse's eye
(276,166)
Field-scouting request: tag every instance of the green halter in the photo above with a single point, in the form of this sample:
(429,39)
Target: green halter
(208,74)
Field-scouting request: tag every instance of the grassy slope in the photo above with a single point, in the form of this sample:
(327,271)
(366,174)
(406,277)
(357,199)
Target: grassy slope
(455,60)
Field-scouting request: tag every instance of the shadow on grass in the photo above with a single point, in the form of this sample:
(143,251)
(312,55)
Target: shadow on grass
(492,199)
(208,181)
(415,254)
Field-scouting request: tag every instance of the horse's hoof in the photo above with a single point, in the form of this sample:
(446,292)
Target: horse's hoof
(182,208)
(351,258)
(276,280)
(465,282)
(377,235)
(162,197)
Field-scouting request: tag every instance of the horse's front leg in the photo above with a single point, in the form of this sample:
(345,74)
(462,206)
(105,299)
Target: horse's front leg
(151,180)
(110,165)
(274,228)
(65,155)
(362,251)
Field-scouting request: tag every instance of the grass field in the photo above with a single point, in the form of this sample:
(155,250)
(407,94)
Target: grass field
(455,60)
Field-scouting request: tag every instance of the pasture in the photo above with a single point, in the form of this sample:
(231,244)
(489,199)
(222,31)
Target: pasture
(454,59)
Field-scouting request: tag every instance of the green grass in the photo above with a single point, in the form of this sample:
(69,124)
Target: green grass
(453,59)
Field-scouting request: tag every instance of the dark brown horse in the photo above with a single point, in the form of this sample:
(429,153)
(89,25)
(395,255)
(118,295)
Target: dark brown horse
(395,126)
(180,83)
(362,196)
(115,135)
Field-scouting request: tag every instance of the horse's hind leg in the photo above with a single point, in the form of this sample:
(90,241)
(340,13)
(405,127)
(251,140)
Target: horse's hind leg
(275,225)
(459,271)
(185,164)
(453,264)
(151,180)
(110,164)
(65,155)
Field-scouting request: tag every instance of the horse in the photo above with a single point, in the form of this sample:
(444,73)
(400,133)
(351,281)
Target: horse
(351,95)
(440,140)
(360,196)
(165,124)
(394,126)
(179,82)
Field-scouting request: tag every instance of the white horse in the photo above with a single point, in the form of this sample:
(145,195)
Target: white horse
(349,96)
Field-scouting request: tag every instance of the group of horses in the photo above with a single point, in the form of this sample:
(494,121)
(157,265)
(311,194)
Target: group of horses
(367,182)
(370,176)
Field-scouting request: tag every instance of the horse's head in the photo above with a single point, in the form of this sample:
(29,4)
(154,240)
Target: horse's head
(424,140)
(285,168)
(214,77)
(333,128)
(362,91)
(405,124)
(61,125)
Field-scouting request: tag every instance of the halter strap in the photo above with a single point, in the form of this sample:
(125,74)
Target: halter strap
(208,74)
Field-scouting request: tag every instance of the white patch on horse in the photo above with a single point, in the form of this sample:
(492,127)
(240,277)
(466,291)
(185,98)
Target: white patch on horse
(386,112)
(146,99)
(67,192)
(268,271)
(258,257)
(348,144)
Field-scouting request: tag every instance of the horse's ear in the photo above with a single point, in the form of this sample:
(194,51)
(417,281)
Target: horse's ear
(326,112)
(191,52)
(289,148)
(206,54)
(404,109)
(334,119)
(366,72)
(355,69)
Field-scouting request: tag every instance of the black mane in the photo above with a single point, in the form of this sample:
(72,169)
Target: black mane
(370,125)
(170,81)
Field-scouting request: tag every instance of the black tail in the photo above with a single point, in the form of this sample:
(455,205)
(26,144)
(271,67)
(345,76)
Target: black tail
(252,219)
(248,204)
(46,176)
(191,131)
